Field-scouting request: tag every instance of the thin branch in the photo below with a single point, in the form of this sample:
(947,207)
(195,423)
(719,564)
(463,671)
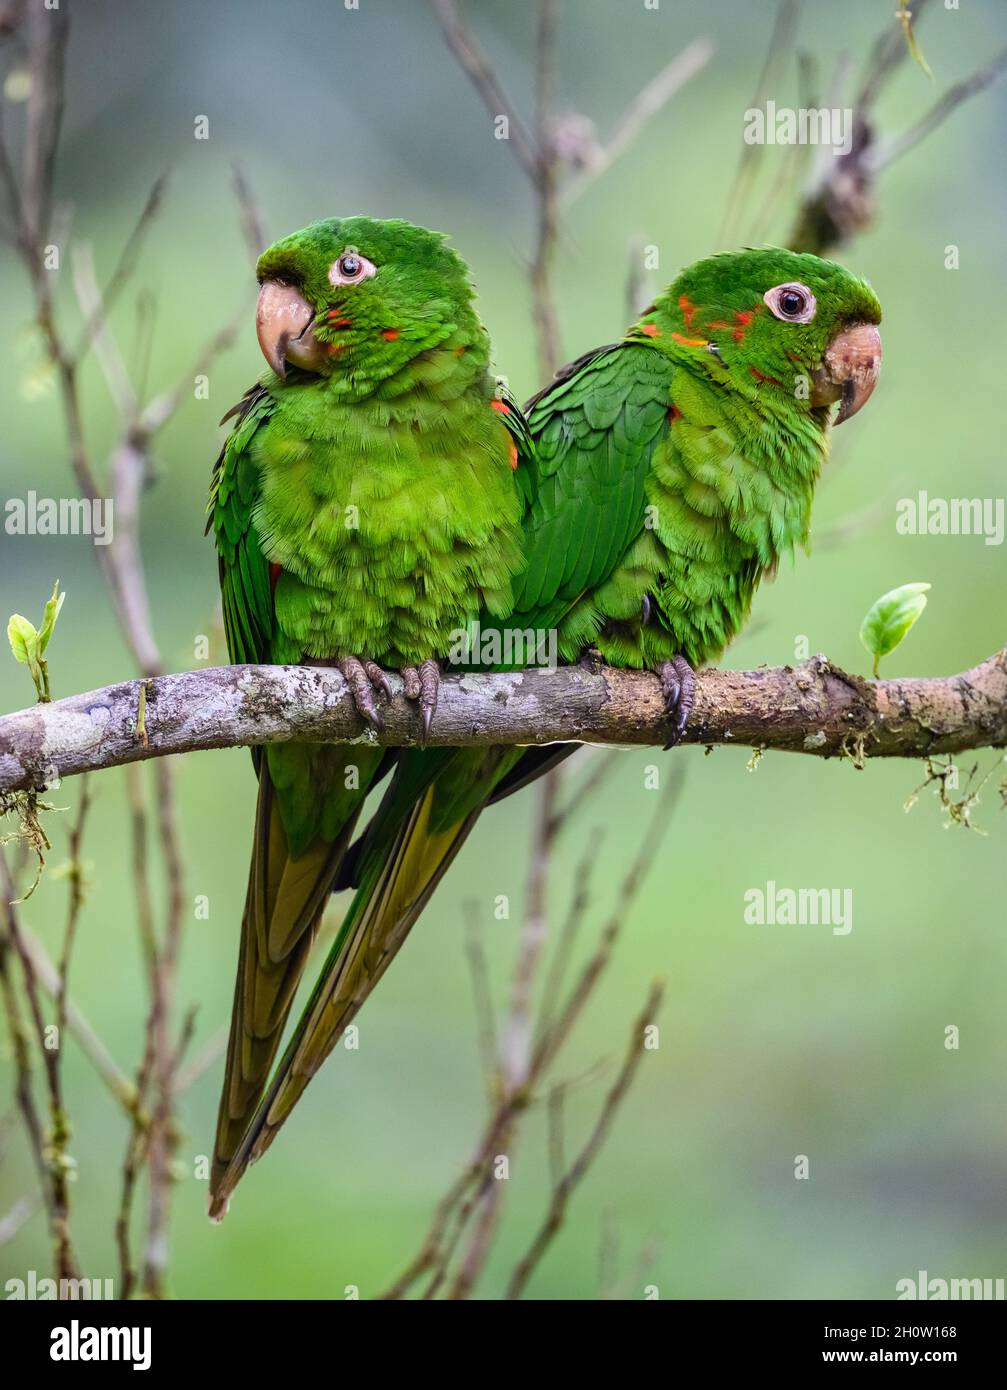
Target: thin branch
(124,268)
(780,42)
(649,102)
(20,1044)
(208,1055)
(545,180)
(473,1194)
(960,92)
(55,1149)
(571,1179)
(516,1042)
(75,873)
(79,1026)
(249,214)
(483,998)
(561,957)
(483,77)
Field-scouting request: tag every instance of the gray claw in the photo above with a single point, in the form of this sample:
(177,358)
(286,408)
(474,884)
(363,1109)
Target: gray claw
(678,681)
(430,684)
(378,678)
(357,677)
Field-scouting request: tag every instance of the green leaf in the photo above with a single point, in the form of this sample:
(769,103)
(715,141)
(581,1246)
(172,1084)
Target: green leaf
(23,640)
(49,617)
(890,617)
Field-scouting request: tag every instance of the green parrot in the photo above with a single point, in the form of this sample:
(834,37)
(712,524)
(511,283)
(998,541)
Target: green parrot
(364,508)
(668,474)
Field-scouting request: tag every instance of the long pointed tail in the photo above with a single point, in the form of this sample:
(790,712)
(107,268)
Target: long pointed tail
(402,866)
(283,907)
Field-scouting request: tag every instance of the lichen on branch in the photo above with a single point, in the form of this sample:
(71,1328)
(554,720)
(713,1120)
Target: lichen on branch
(813,708)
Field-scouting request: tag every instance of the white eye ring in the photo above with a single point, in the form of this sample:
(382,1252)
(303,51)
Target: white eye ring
(340,272)
(803,312)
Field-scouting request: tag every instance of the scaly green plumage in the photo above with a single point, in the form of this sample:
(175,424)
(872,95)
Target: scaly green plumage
(670,472)
(365,509)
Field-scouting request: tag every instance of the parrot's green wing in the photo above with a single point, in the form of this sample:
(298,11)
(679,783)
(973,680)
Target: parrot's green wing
(307,805)
(245,591)
(595,429)
(584,502)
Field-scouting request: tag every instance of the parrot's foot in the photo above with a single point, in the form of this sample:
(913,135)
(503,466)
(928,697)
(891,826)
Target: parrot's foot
(678,681)
(364,678)
(423,683)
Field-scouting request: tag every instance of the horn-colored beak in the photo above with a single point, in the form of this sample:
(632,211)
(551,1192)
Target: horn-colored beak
(283,319)
(849,370)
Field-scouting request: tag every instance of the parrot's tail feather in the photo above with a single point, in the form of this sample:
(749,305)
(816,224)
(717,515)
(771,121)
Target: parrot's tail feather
(376,925)
(283,907)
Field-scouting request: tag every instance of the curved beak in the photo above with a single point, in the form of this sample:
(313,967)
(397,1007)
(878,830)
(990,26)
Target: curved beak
(849,370)
(283,319)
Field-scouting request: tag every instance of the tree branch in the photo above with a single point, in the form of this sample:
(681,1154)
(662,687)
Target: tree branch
(812,708)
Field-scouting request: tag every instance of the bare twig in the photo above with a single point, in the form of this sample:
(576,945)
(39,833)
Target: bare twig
(473,1200)
(483,999)
(780,42)
(75,876)
(545,182)
(565,1187)
(960,92)
(97,313)
(206,1057)
(20,1043)
(249,213)
(16,1217)
(55,1147)
(516,1042)
(649,102)
(79,1027)
(483,77)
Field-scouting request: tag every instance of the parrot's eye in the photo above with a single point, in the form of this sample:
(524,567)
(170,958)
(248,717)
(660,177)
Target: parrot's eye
(793,302)
(350,268)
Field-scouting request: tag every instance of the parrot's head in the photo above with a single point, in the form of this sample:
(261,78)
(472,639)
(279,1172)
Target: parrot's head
(362,297)
(791,322)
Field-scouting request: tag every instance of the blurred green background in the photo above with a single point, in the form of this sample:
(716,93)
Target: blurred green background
(775,1041)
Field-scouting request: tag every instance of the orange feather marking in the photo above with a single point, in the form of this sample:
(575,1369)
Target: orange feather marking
(761,376)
